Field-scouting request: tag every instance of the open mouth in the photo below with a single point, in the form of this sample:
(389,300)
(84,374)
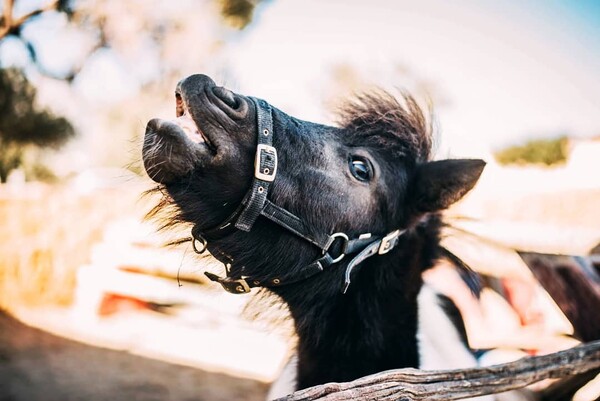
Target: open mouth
(185,121)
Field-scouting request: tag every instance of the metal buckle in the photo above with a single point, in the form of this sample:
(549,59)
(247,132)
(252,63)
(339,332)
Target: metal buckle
(259,170)
(387,242)
(344,245)
(239,286)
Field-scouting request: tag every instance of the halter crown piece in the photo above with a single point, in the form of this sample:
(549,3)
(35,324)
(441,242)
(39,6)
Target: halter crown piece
(255,204)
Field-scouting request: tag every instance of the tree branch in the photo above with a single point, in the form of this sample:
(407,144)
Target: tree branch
(6,18)
(413,384)
(11,25)
(48,7)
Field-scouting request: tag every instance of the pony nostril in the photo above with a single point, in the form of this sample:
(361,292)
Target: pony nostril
(226,97)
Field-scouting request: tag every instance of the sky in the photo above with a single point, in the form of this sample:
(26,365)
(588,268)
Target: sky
(499,72)
(507,71)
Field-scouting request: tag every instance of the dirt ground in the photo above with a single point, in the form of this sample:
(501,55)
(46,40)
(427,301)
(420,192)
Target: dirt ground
(35,365)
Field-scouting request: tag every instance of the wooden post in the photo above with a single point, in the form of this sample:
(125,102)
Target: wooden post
(413,384)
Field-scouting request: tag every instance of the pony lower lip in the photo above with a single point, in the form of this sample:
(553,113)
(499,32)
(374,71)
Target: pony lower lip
(187,124)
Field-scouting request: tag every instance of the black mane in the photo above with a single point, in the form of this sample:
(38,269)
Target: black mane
(380,120)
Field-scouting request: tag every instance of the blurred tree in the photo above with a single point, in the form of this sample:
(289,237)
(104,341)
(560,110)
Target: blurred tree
(98,19)
(148,43)
(238,13)
(539,151)
(12,25)
(22,125)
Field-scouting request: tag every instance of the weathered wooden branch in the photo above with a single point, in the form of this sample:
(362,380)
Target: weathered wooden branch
(48,7)
(10,24)
(6,20)
(413,384)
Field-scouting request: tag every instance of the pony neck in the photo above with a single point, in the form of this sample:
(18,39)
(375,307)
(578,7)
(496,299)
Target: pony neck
(371,328)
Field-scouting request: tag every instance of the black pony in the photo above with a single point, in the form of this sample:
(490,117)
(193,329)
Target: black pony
(366,178)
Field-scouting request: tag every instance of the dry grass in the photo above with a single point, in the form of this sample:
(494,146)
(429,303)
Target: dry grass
(46,233)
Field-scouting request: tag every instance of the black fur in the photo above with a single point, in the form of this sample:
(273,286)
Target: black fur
(372,327)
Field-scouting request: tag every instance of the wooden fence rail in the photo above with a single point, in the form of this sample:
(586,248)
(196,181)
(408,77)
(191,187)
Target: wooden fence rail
(413,384)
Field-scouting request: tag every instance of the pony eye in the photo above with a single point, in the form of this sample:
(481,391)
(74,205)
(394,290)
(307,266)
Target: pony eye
(360,168)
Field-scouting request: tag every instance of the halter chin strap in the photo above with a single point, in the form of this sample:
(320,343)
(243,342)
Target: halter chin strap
(256,204)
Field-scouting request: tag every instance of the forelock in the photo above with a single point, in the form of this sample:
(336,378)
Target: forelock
(395,124)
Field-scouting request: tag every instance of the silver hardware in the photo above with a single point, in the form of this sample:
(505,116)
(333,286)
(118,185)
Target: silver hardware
(387,242)
(344,246)
(347,277)
(276,281)
(261,190)
(266,132)
(202,242)
(364,236)
(264,175)
(242,287)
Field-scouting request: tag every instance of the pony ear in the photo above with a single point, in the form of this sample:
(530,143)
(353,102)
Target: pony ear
(439,184)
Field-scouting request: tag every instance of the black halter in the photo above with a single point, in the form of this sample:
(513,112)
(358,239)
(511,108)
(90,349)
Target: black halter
(255,204)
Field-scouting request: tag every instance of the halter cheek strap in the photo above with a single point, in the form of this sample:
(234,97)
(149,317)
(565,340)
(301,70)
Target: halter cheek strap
(265,168)
(255,204)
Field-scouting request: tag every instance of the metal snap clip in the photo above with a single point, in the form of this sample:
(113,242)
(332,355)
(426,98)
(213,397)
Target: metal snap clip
(203,244)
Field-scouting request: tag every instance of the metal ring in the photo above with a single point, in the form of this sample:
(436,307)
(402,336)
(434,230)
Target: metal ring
(266,132)
(202,241)
(344,246)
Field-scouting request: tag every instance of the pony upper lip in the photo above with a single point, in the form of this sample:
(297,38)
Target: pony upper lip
(179,106)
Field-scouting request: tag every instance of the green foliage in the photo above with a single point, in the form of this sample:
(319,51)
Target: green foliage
(40,172)
(237,13)
(22,124)
(539,151)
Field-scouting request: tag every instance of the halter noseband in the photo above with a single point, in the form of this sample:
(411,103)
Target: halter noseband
(255,204)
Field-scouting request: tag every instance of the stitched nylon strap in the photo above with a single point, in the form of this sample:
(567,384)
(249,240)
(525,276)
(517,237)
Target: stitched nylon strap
(321,264)
(294,224)
(222,230)
(369,246)
(380,246)
(264,167)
